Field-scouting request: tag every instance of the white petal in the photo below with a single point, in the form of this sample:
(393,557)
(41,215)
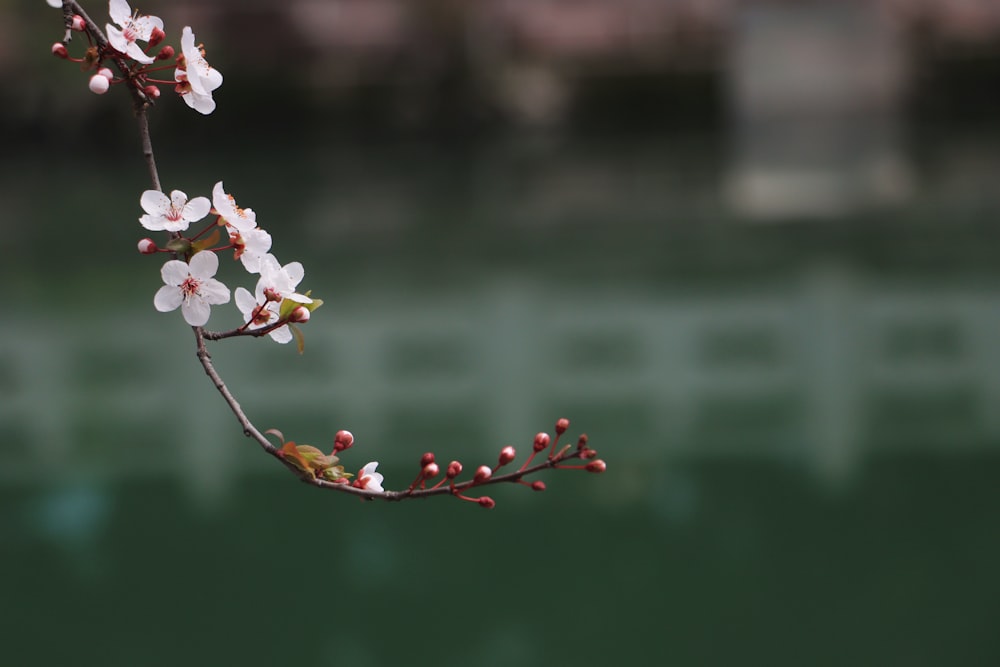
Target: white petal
(214,292)
(153,223)
(167,298)
(134,51)
(204,264)
(154,202)
(245,301)
(197,208)
(178,199)
(54,3)
(281,335)
(295,272)
(174,272)
(298,298)
(196,311)
(120,12)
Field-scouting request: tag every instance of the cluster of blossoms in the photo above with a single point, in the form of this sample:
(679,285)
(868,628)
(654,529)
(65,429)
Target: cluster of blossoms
(194,79)
(274,305)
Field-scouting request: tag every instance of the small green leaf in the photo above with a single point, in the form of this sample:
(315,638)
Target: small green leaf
(300,339)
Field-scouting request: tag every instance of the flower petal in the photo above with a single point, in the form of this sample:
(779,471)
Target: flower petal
(120,12)
(245,301)
(204,264)
(174,272)
(214,292)
(167,298)
(196,311)
(197,208)
(154,202)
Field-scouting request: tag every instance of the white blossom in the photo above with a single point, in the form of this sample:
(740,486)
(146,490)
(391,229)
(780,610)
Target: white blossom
(129,29)
(192,287)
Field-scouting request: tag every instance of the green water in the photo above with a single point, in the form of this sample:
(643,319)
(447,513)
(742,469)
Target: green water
(799,418)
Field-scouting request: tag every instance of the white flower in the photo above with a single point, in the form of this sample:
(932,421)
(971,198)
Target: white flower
(132,27)
(192,287)
(250,247)
(261,314)
(369,479)
(54,3)
(172,214)
(197,79)
(243,219)
(279,282)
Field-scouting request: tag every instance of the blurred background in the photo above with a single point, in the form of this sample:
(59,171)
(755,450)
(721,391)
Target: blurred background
(750,247)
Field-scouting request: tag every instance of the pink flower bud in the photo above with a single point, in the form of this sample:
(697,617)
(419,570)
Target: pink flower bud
(483,473)
(538,485)
(426,459)
(106,73)
(59,50)
(151,91)
(541,441)
(166,53)
(507,454)
(596,466)
(78,23)
(156,36)
(300,314)
(343,440)
(582,442)
(99,84)
(454,470)
(431,470)
(561,426)
(588,453)
(147,246)
(487,502)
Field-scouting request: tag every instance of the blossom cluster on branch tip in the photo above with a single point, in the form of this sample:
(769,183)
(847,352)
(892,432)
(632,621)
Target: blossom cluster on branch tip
(274,305)
(194,79)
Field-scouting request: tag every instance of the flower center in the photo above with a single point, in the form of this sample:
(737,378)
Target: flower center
(190,287)
(175,214)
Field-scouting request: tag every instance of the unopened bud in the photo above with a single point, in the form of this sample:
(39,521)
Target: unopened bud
(99,84)
(454,470)
(487,502)
(588,453)
(561,426)
(166,53)
(156,36)
(78,23)
(538,485)
(300,314)
(597,466)
(507,454)
(541,441)
(343,440)
(426,459)
(106,73)
(59,50)
(147,246)
(431,470)
(582,442)
(151,91)
(483,473)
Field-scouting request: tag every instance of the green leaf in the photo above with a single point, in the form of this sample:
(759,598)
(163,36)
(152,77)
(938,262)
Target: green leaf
(300,339)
